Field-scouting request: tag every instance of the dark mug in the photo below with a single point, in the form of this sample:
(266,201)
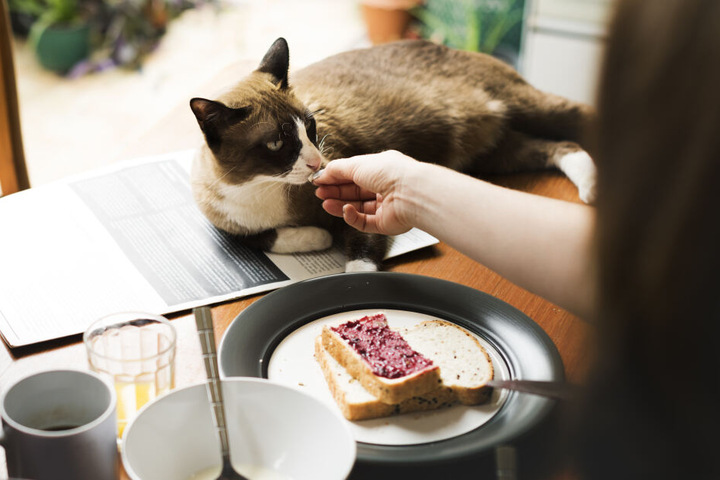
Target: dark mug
(60,424)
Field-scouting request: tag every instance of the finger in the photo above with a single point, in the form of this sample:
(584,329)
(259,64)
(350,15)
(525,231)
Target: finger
(335,207)
(343,192)
(357,220)
(336,172)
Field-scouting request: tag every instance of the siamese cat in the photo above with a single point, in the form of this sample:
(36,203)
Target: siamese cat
(266,136)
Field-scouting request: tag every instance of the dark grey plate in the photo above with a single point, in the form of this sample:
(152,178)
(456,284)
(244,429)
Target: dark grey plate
(248,344)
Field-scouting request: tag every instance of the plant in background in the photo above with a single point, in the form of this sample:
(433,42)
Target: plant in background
(133,28)
(58,30)
(474,25)
(62,12)
(119,32)
(47,13)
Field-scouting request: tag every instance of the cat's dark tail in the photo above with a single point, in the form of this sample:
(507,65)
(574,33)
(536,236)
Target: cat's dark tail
(551,117)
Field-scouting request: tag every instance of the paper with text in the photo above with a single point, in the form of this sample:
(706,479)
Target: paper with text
(130,237)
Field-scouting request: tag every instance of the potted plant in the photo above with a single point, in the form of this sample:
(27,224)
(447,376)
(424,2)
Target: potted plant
(80,36)
(61,34)
(489,26)
(387,20)
(131,29)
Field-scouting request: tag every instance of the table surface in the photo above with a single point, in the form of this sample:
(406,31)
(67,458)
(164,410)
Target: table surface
(179,131)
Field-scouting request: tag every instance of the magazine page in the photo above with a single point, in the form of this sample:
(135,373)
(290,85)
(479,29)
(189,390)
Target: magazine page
(130,238)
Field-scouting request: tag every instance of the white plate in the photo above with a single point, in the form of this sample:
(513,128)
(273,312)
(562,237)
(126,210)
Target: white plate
(293,363)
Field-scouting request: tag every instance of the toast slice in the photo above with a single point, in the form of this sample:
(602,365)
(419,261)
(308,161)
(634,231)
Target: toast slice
(380,359)
(356,403)
(464,364)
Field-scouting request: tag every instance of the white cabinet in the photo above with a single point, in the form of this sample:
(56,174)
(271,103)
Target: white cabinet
(591,12)
(563,46)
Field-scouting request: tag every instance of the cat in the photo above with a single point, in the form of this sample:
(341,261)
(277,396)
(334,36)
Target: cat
(266,136)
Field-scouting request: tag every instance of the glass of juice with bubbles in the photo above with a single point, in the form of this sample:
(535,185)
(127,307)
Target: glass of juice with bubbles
(136,350)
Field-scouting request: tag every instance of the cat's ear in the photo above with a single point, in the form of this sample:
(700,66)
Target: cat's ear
(276,62)
(214,117)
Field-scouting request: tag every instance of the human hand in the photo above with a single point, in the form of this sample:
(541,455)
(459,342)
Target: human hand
(367,191)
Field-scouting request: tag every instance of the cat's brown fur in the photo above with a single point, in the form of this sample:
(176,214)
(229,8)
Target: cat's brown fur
(467,111)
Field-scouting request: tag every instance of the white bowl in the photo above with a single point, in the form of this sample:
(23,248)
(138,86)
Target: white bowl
(272,426)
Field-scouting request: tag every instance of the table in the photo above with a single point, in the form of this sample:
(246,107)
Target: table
(179,130)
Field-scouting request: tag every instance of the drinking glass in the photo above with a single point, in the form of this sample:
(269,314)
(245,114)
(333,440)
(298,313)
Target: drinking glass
(137,351)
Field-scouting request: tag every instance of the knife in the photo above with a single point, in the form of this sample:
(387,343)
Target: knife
(551,389)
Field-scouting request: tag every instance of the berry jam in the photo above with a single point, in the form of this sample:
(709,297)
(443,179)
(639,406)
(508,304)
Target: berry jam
(387,353)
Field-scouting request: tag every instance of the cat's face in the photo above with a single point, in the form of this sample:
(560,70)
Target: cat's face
(259,130)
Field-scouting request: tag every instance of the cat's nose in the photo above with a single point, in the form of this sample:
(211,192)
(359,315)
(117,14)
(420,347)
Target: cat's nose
(314,163)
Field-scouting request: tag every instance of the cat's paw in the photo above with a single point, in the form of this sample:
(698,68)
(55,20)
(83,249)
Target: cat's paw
(587,191)
(580,169)
(301,239)
(360,266)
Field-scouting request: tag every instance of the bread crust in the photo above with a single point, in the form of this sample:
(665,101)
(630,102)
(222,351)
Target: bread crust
(386,390)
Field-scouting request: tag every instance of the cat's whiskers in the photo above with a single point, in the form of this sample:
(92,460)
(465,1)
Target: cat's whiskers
(271,181)
(214,182)
(268,183)
(294,177)
(321,146)
(225,174)
(320,110)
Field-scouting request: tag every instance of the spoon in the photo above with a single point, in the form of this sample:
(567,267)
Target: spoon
(204,321)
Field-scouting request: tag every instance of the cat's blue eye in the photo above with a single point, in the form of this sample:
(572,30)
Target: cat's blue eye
(274,146)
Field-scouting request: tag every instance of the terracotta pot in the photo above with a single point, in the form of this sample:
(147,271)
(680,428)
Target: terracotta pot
(385,24)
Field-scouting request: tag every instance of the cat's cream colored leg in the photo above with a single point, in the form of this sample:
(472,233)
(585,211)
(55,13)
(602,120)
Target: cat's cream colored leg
(580,169)
(301,239)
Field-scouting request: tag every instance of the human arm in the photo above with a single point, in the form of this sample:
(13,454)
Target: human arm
(540,244)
